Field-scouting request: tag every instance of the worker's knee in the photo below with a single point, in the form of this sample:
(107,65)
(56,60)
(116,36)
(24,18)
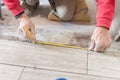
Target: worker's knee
(31,2)
(64,9)
(64,13)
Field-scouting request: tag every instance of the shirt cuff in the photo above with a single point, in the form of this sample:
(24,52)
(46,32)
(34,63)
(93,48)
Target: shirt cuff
(16,11)
(18,15)
(104,23)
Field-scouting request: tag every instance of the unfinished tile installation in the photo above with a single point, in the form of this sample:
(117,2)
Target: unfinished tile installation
(26,61)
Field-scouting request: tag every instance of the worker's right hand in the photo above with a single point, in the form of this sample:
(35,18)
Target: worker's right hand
(100,40)
(25,21)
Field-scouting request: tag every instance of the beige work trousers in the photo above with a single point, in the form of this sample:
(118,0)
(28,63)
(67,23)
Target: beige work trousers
(69,10)
(66,10)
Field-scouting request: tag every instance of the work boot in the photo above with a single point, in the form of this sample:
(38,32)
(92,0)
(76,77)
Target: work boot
(29,6)
(81,12)
(51,15)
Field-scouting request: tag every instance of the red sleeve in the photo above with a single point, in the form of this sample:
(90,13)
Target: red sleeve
(105,12)
(14,6)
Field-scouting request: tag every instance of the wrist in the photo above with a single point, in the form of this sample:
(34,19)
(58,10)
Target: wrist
(22,17)
(19,15)
(103,27)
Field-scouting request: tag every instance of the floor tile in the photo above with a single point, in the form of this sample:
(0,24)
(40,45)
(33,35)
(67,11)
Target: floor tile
(25,54)
(104,64)
(31,74)
(10,72)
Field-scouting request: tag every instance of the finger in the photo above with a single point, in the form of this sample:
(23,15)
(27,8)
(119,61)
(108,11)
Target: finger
(21,35)
(109,45)
(92,45)
(97,47)
(102,46)
(103,49)
(32,33)
(33,36)
(20,31)
(106,47)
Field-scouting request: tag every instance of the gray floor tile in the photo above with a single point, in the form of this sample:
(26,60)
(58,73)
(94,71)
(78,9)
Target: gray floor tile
(104,64)
(31,74)
(25,54)
(10,72)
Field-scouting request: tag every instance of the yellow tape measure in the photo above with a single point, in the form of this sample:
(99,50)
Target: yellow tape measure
(60,45)
(49,43)
(29,34)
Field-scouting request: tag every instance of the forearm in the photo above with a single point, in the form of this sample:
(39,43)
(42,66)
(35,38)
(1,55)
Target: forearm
(14,6)
(105,12)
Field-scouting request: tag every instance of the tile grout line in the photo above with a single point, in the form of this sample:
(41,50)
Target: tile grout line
(34,67)
(88,52)
(103,76)
(15,65)
(52,70)
(87,61)
(21,73)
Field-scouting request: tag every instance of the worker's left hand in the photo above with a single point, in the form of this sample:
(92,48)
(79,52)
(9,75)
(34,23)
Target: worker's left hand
(100,40)
(24,20)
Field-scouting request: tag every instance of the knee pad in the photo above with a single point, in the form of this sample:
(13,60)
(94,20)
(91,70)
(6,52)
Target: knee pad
(31,2)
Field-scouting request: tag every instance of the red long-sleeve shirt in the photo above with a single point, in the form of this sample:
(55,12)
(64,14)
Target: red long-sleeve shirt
(14,6)
(105,10)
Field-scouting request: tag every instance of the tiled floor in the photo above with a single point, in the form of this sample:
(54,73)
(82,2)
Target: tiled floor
(104,64)
(25,61)
(8,72)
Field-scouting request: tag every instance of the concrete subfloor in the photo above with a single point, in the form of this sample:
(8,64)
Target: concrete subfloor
(73,33)
(26,61)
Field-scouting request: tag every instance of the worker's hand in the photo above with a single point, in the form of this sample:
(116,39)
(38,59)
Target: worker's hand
(100,40)
(25,21)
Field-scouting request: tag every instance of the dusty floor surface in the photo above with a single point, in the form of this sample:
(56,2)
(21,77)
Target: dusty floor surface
(74,33)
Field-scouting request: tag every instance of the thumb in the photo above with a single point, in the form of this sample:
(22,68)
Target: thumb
(22,34)
(92,45)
